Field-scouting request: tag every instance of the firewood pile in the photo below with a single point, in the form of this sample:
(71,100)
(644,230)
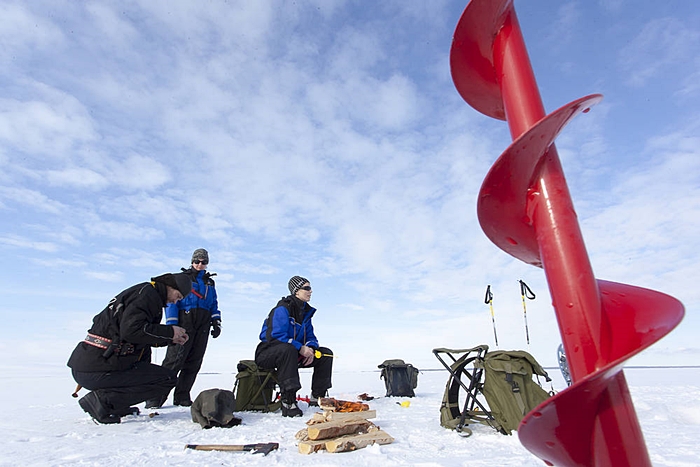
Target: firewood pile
(342,426)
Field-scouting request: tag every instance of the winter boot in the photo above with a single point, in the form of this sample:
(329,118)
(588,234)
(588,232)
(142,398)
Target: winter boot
(289,406)
(126,411)
(313,400)
(156,403)
(183,402)
(91,404)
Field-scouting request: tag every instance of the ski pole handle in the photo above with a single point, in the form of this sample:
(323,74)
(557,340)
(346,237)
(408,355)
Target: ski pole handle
(488,299)
(525,291)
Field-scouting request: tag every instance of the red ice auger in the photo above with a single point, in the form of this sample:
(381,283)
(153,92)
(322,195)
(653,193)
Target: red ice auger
(525,208)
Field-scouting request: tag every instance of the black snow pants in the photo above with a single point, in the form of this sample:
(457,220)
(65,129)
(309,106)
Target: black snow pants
(119,390)
(285,359)
(186,360)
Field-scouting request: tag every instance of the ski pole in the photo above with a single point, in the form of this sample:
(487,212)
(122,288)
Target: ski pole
(526,292)
(489,301)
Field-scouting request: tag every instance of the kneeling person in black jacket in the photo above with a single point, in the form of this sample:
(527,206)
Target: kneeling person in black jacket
(113,361)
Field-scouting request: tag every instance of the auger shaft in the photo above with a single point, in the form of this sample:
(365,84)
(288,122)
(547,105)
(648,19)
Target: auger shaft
(563,253)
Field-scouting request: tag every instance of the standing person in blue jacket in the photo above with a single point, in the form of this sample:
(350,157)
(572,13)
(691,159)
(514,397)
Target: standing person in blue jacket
(288,342)
(199,315)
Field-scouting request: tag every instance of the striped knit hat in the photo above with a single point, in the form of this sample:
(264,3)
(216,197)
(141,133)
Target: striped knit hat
(295,283)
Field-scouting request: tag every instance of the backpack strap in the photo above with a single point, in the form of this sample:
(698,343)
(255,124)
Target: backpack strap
(516,392)
(268,334)
(284,302)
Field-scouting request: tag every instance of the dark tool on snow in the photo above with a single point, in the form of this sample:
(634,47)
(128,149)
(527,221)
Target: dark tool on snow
(264,448)
(525,292)
(489,301)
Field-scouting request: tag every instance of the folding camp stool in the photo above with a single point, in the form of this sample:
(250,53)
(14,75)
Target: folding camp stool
(267,379)
(466,373)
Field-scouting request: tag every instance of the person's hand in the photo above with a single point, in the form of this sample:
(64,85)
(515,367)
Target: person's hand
(308,354)
(179,335)
(215,328)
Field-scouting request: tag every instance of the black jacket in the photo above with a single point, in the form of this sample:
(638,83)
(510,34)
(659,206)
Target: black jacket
(131,319)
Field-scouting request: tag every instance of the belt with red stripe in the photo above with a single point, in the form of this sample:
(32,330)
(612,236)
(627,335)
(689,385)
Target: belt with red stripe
(97,341)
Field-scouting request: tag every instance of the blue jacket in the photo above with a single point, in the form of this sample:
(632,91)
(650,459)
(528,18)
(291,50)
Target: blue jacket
(203,296)
(291,323)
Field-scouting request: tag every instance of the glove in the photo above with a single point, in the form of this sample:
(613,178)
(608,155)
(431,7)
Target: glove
(215,328)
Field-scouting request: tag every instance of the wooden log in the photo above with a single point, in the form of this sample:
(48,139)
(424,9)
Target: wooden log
(318,417)
(309,446)
(337,428)
(321,417)
(353,442)
(340,416)
(337,405)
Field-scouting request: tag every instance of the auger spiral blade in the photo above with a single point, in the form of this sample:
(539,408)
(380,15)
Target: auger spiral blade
(525,208)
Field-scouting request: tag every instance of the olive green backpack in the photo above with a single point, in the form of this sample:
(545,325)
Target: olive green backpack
(504,379)
(254,389)
(509,388)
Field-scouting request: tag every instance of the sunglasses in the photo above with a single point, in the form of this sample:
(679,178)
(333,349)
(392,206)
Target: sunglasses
(306,287)
(197,261)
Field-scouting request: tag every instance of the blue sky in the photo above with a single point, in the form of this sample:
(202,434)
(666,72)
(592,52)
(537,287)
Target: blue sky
(326,139)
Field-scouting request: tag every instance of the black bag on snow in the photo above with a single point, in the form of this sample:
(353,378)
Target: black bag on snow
(254,388)
(400,378)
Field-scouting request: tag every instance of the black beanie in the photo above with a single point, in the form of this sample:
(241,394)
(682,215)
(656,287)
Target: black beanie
(179,281)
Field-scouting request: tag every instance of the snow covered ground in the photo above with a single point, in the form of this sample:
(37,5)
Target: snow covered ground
(42,425)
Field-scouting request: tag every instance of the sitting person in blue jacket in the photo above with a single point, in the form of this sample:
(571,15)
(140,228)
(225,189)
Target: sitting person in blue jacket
(198,313)
(288,342)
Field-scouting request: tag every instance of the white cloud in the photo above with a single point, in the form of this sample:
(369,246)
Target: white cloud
(393,104)
(23,32)
(660,46)
(59,264)
(327,138)
(646,234)
(76,177)
(112,25)
(19,242)
(139,172)
(105,276)
(33,198)
(45,129)
(121,230)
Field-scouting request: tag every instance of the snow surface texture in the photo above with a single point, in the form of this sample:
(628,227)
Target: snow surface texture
(43,425)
